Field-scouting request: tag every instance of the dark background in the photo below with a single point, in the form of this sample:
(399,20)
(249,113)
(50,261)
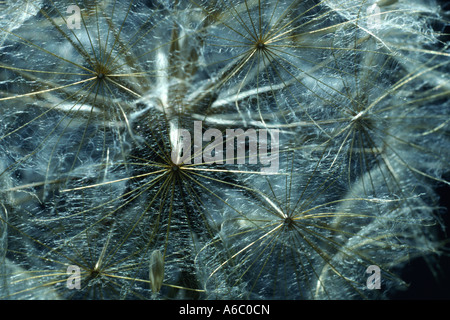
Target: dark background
(424,284)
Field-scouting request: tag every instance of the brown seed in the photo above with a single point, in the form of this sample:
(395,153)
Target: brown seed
(156,270)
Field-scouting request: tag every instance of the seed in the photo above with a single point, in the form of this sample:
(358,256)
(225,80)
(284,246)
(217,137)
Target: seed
(156,270)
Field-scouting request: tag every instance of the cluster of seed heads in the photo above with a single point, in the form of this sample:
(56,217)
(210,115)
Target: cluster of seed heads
(100,100)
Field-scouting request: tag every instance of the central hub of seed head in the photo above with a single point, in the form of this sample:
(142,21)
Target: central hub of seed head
(175,168)
(101,70)
(288,222)
(260,45)
(175,171)
(362,122)
(94,273)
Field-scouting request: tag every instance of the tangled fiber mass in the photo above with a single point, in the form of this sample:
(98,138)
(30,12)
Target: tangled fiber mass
(94,96)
